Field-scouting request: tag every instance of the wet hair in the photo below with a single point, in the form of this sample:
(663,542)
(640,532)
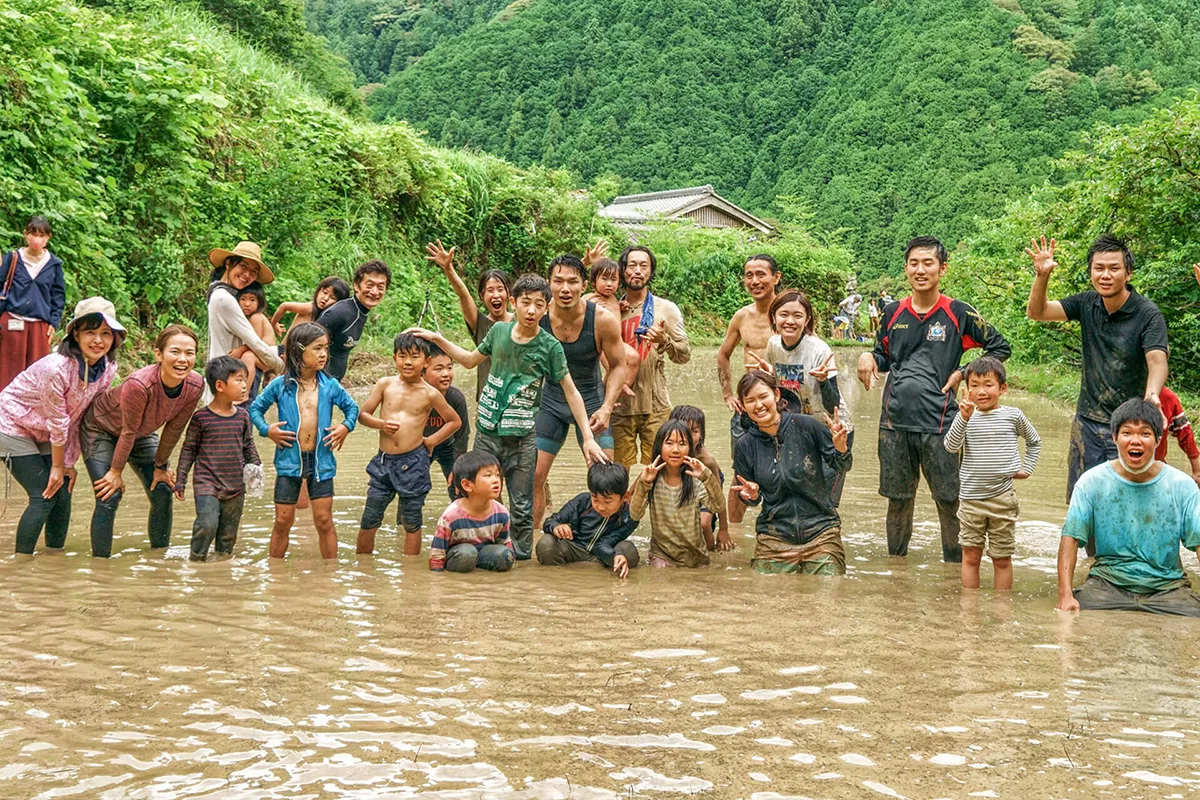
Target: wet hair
(927,241)
(986,365)
(341,291)
(531,284)
(298,340)
(792,296)
(623,261)
(467,468)
(570,261)
(1137,410)
(1108,243)
(220,369)
(494,275)
(602,267)
(408,343)
(254,289)
(687,486)
(608,478)
(691,414)
(766,259)
(70,348)
(373,267)
(38,224)
(170,332)
(752,379)
(434,351)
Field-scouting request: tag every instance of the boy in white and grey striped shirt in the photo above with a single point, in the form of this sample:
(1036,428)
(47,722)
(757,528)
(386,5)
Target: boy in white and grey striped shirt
(986,435)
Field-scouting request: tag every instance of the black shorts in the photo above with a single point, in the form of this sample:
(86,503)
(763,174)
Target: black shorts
(904,455)
(402,474)
(287,488)
(553,420)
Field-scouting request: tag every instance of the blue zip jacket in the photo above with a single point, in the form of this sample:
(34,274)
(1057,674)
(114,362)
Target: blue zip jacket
(43,297)
(282,392)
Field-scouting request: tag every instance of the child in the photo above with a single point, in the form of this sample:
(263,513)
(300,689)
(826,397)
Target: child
(694,418)
(305,436)
(804,367)
(605,276)
(219,444)
(594,526)
(439,373)
(473,531)
(523,355)
(675,485)
(329,291)
(253,301)
(985,433)
(401,468)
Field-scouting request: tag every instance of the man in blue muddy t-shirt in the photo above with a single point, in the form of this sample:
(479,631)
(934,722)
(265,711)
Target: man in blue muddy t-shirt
(1138,511)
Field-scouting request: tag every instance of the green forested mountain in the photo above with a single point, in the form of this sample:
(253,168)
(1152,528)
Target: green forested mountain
(888,118)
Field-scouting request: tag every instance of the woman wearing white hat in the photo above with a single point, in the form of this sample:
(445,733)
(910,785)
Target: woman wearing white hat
(228,328)
(40,413)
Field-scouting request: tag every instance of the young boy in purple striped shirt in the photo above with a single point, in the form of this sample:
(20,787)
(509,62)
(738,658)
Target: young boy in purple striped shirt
(219,444)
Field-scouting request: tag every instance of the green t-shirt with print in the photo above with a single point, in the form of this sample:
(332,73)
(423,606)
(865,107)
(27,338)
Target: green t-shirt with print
(509,402)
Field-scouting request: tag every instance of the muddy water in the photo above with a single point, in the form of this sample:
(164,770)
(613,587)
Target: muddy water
(149,677)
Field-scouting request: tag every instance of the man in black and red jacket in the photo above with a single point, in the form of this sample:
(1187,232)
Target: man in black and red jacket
(921,342)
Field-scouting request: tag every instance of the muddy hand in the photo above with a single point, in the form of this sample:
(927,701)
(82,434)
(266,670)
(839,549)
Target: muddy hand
(747,490)
(821,373)
(868,370)
(760,363)
(651,470)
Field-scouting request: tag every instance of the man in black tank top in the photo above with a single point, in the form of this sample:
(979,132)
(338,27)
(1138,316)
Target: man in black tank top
(585,332)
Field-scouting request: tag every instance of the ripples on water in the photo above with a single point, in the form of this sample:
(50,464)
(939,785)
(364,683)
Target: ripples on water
(150,677)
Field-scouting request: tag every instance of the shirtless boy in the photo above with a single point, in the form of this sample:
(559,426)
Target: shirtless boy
(751,326)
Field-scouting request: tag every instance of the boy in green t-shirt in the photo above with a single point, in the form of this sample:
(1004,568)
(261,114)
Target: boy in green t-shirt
(522,355)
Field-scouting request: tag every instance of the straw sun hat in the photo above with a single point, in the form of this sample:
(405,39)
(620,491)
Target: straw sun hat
(247,251)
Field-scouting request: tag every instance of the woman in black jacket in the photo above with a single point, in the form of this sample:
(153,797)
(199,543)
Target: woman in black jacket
(779,464)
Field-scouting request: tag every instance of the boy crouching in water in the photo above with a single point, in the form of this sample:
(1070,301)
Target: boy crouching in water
(473,532)
(402,464)
(594,525)
(986,434)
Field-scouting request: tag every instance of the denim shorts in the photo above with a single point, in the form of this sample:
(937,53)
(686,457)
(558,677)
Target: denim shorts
(287,487)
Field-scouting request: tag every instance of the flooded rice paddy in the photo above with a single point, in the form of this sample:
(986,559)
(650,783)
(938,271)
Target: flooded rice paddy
(150,677)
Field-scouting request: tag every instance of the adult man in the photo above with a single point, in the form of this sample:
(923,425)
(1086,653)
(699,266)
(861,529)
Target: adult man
(653,326)
(751,326)
(1124,340)
(1137,511)
(921,342)
(345,319)
(585,331)
(849,308)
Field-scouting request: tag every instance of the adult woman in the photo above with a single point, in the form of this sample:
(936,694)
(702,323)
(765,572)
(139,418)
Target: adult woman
(121,427)
(228,328)
(40,413)
(779,463)
(32,299)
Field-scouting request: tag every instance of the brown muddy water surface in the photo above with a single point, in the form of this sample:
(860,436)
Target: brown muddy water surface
(150,677)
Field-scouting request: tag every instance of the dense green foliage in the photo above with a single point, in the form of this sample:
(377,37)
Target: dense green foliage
(889,118)
(1138,181)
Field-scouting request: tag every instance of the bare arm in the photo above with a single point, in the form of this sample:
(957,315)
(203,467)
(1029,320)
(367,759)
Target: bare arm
(1156,374)
(1039,308)
(288,308)
(733,335)
(467,358)
(608,339)
(591,451)
(1068,552)
(366,412)
(445,259)
(453,421)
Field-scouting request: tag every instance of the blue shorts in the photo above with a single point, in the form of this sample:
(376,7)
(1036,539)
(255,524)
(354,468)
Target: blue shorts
(287,487)
(402,474)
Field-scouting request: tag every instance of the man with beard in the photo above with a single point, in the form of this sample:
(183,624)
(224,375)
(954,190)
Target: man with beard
(345,319)
(751,326)
(585,331)
(653,326)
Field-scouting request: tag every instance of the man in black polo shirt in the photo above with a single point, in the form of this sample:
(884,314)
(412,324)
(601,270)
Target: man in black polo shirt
(345,319)
(1124,341)
(920,342)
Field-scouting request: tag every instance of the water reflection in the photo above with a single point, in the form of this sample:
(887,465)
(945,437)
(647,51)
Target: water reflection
(150,677)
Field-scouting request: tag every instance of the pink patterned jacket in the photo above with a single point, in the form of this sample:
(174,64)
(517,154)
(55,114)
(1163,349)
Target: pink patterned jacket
(47,400)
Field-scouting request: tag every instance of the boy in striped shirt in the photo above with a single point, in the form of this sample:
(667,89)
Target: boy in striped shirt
(473,532)
(985,433)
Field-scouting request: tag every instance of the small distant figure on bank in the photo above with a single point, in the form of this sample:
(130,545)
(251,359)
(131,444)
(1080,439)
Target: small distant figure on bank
(849,308)
(218,446)
(32,300)
(1181,428)
(305,437)
(401,468)
(594,525)
(472,532)
(873,312)
(694,418)
(253,301)
(329,291)
(985,434)
(1137,511)
(439,373)
(675,486)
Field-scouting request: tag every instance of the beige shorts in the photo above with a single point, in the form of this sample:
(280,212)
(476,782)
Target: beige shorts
(992,522)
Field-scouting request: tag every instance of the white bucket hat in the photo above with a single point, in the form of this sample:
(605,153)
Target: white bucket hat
(95,305)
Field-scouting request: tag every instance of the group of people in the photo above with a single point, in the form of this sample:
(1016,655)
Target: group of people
(550,358)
